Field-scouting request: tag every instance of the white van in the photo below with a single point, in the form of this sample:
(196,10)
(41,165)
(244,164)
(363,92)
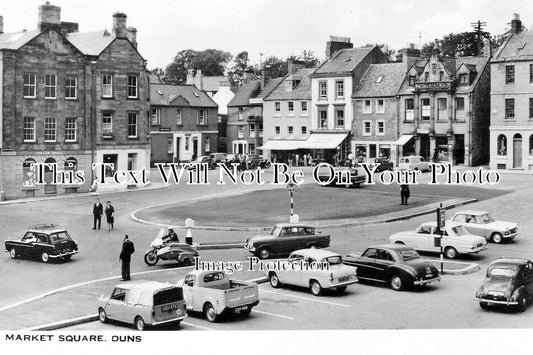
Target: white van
(413,162)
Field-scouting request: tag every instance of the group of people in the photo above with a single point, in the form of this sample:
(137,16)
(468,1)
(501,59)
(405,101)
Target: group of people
(98,210)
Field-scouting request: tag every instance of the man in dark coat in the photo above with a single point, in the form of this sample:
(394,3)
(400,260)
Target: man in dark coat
(405,193)
(98,209)
(125,256)
(171,237)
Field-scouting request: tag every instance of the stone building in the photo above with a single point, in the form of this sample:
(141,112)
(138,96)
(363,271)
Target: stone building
(72,99)
(184,123)
(511,130)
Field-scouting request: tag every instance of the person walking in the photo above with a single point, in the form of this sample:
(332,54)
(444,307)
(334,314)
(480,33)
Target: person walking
(98,209)
(125,256)
(404,193)
(109,213)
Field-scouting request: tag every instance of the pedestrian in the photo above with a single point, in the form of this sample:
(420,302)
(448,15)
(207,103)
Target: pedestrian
(98,209)
(109,213)
(125,256)
(404,193)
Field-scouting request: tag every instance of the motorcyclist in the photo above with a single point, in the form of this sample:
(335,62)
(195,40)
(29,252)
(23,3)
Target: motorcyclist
(171,237)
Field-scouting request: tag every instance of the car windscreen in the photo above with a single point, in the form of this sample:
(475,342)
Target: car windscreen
(333,260)
(409,254)
(503,272)
(459,230)
(485,219)
(59,237)
(168,295)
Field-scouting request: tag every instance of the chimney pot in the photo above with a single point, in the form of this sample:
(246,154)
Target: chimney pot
(119,25)
(516,24)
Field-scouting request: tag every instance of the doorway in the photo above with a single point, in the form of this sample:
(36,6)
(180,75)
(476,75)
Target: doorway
(459,150)
(50,188)
(517,151)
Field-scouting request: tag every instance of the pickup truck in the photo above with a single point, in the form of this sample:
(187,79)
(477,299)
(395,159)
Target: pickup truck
(214,295)
(284,238)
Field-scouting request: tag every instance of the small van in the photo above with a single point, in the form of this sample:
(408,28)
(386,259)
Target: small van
(143,303)
(413,162)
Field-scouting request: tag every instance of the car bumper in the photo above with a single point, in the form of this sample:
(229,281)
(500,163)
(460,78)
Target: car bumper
(251,250)
(476,250)
(426,281)
(62,255)
(177,319)
(506,303)
(510,236)
(341,284)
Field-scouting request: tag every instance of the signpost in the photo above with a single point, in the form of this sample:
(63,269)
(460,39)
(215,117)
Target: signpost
(291,188)
(441,223)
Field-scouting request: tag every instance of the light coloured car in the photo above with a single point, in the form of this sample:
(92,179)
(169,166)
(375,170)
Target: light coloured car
(413,162)
(481,223)
(316,269)
(455,241)
(143,303)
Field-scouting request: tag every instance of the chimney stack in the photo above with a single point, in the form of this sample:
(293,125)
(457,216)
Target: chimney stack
(487,51)
(132,36)
(69,27)
(49,16)
(294,65)
(1,24)
(516,24)
(410,55)
(335,44)
(119,25)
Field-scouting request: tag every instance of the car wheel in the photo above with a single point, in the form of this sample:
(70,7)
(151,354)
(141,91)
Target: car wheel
(187,262)
(522,303)
(264,253)
(315,288)
(396,283)
(151,258)
(274,280)
(497,238)
(102,315)
(246,312)
(45,257)
(67,258)
(313,246)
(340,290)
(139,323)
(450,253)
(210,313)
(483,305)
(13,253)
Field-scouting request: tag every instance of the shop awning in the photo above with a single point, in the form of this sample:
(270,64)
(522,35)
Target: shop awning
(281,145)
(324,140)
(404,139)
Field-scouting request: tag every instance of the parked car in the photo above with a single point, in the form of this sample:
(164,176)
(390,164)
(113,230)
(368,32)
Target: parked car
(456,240)
(255,161)
(343,176)
(213,294)
(481,223)
(202,159)
(143,303)
(509,282)
(217,158)
(285,238)
(329,273)
(383,164)
(396,265)
(413,162)
(43,241)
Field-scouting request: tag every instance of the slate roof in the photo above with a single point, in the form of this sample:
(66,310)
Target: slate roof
(91,43)
(212,83)
(302,91)
(252,90)
(518,46)
(344,61)
(393,75)
(164,94)
(17,39)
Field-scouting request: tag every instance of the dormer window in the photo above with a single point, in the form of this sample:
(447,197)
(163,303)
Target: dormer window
(463,79)
(412,80)
(289,85)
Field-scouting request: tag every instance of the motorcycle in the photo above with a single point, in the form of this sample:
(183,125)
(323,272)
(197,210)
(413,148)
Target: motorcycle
(183,253)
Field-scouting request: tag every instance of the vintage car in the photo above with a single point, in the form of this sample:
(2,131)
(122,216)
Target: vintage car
(201,160)
(456,240)
(393,264)
(143,303)
(213,294)
(342,176)
(45,242)
(316,269)
(383,163)
(254,161)
(481,223)
(413,162)
(285,238)
(217,158)
(509,282)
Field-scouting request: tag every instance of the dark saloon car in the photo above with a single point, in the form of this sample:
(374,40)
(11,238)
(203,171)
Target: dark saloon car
(44,242)
(396,265)
(508,282)
(383,164)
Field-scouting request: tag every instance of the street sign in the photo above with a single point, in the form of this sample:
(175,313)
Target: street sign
(441,218)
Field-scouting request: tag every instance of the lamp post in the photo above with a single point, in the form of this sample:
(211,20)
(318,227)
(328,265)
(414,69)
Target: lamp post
(291,188)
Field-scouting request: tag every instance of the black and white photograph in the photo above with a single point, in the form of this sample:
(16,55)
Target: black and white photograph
(266,176)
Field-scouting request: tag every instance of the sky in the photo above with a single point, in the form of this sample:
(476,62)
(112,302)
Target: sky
(273,27)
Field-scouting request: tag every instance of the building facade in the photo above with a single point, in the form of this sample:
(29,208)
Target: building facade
(511,131)
(70,99)
(184,123)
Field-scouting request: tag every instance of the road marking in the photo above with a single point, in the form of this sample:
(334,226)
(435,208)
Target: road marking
(308,299)
(197,326)
(273,314)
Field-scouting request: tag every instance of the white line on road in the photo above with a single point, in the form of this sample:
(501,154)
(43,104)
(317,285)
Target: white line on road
(273,314)
(308,299)
(197,326)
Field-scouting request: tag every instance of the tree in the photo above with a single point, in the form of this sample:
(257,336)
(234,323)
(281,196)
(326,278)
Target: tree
(240,67)
(210,61)
(275,66)
(159,74)
(458,44)
(309,58)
